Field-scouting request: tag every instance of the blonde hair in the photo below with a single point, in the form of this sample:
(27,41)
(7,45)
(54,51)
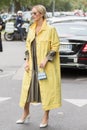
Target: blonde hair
(41,9)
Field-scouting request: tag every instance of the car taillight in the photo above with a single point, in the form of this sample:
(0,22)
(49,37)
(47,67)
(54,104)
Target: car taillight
(84,49)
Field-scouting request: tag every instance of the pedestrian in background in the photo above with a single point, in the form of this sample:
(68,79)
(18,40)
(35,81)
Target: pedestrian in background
(42,81)
(19,23)
(1,27)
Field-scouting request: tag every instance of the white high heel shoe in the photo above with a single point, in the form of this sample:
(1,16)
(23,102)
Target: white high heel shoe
(20,121)
(43,125)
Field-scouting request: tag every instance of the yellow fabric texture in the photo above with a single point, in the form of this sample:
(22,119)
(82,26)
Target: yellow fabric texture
(50,89)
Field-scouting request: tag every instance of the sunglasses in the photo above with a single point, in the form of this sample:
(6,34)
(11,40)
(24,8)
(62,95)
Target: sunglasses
(34,13)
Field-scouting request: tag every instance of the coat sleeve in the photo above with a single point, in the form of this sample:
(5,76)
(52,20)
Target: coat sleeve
(50,56)
(26,55)
(54,40)
(27,48)
(28,38)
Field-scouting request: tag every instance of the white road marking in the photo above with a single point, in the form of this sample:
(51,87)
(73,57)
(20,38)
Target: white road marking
(6,73)
(81,79)
(60,113)
(4,98)
(36,104)
(77,102)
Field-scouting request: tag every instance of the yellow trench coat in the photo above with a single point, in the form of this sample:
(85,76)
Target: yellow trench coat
(50,88)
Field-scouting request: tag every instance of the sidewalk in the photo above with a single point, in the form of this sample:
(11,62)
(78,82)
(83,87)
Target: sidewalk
(64,118)
(10,110)
(67,117)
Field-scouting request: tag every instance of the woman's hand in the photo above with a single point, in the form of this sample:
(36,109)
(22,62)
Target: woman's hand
(43,63)
(27,66)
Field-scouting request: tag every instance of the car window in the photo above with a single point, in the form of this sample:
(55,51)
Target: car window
(71,29)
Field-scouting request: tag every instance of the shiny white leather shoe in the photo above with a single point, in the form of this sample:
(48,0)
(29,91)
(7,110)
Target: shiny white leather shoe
(20,121)
(43,125)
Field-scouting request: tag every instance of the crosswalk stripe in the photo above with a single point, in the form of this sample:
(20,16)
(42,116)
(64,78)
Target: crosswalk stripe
(77,102)
(4,98)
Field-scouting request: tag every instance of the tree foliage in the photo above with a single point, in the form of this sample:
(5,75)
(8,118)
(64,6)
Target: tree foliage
(60,5)
(4,4)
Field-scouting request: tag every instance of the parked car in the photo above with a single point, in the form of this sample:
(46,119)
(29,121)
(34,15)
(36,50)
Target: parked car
(73,43)
(65,18)
(8,17)
(27,15)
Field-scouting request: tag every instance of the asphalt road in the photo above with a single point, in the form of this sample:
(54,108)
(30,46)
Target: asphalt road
(71,116)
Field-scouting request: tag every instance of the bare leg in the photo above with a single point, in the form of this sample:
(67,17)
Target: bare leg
(24,115)
(45,117)
(26,111)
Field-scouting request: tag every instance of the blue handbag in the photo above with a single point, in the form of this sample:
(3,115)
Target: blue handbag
(42,75)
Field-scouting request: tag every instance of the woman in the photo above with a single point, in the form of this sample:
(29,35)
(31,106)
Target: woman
(42,58)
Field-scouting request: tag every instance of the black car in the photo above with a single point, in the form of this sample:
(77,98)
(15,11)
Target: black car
(73,47)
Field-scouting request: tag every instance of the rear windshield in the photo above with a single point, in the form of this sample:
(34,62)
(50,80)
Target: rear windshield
(71,28)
